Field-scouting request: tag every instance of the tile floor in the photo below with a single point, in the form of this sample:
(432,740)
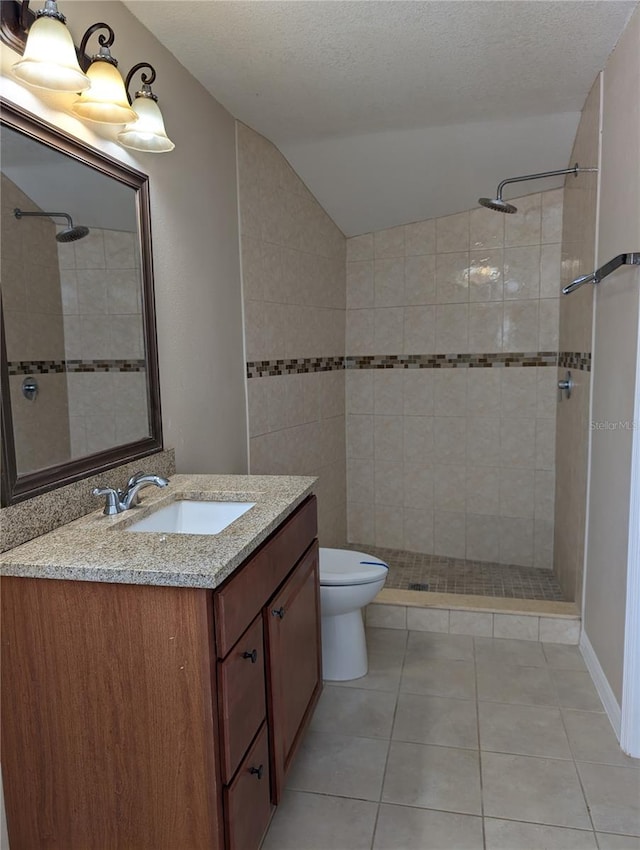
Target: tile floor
(459,743)
(438,574)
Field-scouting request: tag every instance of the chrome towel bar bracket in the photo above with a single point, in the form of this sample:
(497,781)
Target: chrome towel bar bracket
(632,259)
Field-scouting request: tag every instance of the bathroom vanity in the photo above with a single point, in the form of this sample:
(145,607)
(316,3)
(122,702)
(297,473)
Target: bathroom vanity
(155,686)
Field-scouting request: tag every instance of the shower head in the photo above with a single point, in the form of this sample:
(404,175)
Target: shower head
(499,205)
(69,234)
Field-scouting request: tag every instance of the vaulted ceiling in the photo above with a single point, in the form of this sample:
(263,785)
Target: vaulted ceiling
(398,110)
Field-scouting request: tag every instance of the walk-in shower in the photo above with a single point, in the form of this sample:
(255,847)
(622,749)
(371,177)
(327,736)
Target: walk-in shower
(69,234)
(498,204)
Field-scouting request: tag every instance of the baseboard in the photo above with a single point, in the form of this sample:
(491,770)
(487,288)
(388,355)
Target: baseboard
(602,685)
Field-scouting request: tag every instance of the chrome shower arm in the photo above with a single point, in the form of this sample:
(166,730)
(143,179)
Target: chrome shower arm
(631,259)
(575,170)
(21,214)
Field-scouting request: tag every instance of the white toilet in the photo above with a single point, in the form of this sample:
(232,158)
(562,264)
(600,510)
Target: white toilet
(348,581)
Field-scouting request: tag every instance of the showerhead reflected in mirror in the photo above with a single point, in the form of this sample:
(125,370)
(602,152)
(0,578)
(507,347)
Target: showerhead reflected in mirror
(77,310)
(69,234)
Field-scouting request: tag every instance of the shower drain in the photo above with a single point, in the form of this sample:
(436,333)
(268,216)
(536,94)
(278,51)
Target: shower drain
(418,585)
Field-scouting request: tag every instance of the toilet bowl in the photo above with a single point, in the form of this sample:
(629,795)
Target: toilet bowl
(348,581)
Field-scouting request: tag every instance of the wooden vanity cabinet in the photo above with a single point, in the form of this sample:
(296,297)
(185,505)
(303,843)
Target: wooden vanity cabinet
(137,717)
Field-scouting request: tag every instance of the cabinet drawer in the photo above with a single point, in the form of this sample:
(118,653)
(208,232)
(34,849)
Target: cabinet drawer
(241,697)
(238,601)
(247,801)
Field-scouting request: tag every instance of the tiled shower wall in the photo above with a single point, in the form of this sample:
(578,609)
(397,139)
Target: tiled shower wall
(576,325)
(101,293)
(293,272)
(455,461)
(34,330)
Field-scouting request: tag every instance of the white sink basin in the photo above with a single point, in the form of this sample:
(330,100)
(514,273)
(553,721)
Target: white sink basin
(187,517)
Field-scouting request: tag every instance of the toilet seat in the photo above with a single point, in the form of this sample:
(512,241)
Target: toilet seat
(345,567)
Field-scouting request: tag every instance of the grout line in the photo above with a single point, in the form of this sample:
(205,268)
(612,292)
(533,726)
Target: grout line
(582,788)
(475,677)
(395,711)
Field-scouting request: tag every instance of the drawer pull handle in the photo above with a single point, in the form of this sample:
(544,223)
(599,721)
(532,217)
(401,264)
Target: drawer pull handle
(253,655)
(278,612)
(257,771)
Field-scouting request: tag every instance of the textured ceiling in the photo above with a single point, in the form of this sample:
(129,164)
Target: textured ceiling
(307,73)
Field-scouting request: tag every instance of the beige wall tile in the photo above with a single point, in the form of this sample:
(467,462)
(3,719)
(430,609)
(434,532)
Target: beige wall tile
(452,233)
(386,616)
(452,328)
(419,487)
(419,330)
(556,630)
(360,284)
(389,483)
(522,273)
(486,229)
(483,490)
(359,389)
(517,492)
(388,391)
(389,243)
(420,279)
(483,391)
(452,278)
(389,282)
(388,330)
(388,438)
(471,623)
(552,202)
(516,627)
(520,332)
(359,436)
(360,247)
(449,488)
(550,283)
(418,530)
(418,439)
(418,392)
(449,441)
(389,527)
(524,228)
(360,332)
(360,523)
(450,534)
(485,327)
(483,538)
(450,392)
(420,237)
(486,275)
(428,620)
(516,541)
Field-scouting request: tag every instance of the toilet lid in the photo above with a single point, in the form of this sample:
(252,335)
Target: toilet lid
(343,566)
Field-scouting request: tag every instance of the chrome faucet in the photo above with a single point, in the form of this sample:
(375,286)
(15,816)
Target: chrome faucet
(118,501)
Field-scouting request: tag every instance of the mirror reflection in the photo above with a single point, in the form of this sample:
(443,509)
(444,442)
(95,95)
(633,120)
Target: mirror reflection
(73,306)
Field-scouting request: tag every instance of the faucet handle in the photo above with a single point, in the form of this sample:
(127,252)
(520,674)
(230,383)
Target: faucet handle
(112,504)
(134,479)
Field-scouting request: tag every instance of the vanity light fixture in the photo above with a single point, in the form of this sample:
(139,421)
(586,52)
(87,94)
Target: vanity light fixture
(106,101)
(49,60)
(147,133)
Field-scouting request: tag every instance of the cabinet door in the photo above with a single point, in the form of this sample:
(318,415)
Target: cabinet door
(294,666)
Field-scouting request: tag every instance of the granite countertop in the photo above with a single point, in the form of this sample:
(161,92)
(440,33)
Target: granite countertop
(98,548)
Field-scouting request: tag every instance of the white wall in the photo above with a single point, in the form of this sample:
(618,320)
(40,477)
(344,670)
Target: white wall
(614,365)
(195,242)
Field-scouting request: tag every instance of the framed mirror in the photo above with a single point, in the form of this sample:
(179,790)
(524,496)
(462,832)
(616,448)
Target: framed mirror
(78,360)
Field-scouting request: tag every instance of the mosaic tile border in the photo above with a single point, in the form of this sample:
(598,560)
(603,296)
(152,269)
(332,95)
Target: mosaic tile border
(300,366)
(293,366)
(454,361)
(52,367)
(580,361)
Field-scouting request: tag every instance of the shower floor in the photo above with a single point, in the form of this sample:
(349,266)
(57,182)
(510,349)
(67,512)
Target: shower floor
(437,574)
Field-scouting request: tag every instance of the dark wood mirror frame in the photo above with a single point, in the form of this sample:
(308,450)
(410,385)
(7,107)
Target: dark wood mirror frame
(17,488)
